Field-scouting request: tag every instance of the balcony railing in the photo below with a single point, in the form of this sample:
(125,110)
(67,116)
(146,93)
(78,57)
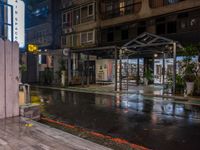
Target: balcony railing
(122,11)
(161,3)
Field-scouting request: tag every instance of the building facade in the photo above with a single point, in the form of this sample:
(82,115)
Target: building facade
(91,24)
(85,34)
(39,31)
(125,19)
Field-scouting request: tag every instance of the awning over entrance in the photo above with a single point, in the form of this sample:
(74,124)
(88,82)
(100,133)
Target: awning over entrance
(147,44)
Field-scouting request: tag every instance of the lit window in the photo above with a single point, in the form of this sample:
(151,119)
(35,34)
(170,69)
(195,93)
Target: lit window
(122,8)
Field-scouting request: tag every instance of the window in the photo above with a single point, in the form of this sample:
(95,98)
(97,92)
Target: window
(90,36)
(129,7)
(172,1)
(182,19)
(160,26)
(84,12)
(124,33)
(64,40)
(67,18)
(110,35)
(183,24)
(122,8)
(171,27)
(193,22)
(42,59)
(76,17)
(87,37)
(90,10)
(64,18)
(87,12)
(84,37)
(109,7)
(141,27)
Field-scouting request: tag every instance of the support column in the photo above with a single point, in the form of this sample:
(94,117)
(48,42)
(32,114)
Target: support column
(120,70)
(69,68)
(174,67)
(88,65)
(138,71)
(116,54)
(163,69)
(82,73)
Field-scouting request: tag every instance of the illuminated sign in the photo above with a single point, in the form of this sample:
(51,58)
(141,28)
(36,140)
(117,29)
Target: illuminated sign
(32,48)
(18,22)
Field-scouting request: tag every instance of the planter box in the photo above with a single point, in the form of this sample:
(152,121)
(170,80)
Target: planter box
(31,111)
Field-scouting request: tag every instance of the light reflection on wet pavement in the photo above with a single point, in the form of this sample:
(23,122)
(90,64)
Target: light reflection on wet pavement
(160,124)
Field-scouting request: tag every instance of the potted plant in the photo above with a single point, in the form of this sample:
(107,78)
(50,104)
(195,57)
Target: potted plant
(180,84)
(196,91)
(189,77)
(190,68)
(148,76)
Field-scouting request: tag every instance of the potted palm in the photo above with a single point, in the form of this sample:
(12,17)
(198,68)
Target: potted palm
(190,68)
(189,77)
(148,76)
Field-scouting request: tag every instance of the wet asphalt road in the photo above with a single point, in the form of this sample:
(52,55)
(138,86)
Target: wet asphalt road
(159,124)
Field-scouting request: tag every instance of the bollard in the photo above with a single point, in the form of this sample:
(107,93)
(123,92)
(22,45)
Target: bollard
(24,94)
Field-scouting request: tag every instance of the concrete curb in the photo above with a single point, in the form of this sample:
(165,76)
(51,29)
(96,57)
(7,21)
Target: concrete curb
(114,93)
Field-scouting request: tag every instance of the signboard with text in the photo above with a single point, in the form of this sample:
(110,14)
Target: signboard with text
(18,22)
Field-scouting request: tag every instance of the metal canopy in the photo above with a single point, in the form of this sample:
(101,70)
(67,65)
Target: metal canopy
(148,43)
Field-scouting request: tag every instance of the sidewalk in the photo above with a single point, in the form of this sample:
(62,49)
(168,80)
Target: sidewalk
(22,134)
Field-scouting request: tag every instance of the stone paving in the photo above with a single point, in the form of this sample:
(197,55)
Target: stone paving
(22,134)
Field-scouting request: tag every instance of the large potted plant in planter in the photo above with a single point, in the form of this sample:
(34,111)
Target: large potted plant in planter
(196,91)
(189,77)
(189,67)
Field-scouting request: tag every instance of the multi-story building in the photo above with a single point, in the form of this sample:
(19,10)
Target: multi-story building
(176,19)
(91,24)
(39,25)
(80,28)
(79,24)
(38,32)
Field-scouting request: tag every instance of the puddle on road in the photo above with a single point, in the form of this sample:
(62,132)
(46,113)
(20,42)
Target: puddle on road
(157,124)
